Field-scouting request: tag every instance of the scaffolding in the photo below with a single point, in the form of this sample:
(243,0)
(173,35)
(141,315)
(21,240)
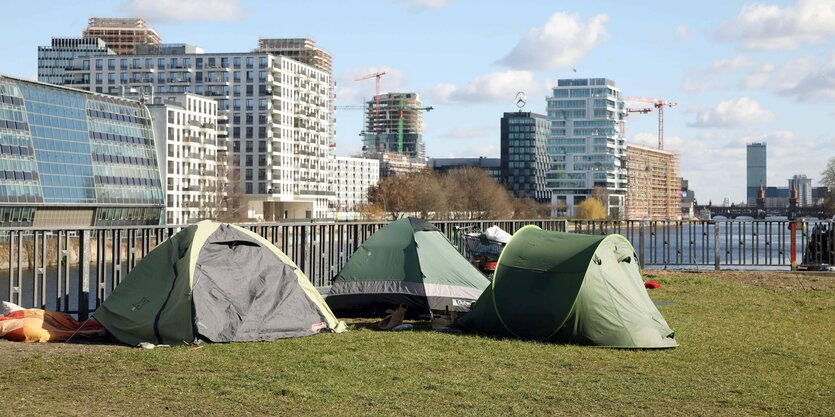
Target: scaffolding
(122,35)
(653,184)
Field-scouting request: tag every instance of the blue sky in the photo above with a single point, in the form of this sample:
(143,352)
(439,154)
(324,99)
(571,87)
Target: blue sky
(740,71)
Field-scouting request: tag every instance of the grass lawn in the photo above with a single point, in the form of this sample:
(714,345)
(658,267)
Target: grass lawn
(748,347)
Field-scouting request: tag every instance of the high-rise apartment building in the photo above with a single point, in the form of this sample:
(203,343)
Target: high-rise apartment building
(351,178)
(755,171)
(524,158)
(300,49)
(185,128)
(586,145)
(55,58)
(803,185)
(73,158)
(122,35)
(277,113)
(396,126)
(654,185)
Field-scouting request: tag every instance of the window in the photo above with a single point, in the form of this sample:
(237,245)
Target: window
(249,61)
(237,62)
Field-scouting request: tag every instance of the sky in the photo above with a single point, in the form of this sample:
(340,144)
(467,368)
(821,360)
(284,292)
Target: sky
(739,71)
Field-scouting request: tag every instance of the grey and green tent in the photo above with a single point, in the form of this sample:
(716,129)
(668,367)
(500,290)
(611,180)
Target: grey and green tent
(214,282)
(408,262)
(571,288)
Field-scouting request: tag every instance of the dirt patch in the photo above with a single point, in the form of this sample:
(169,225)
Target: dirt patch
(774,280)
(15,353)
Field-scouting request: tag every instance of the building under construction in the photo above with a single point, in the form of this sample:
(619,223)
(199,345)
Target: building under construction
(300,49)
(396,126)
(653,184)
(122,35)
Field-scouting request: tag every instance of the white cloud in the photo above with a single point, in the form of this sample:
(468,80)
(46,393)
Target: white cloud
(493,87)
(185,10)
(727,64)
(768,26)
(714,160)
(803,79)
(682,32)
(560,43)
(420,5)
(733,113)
(701,84)
(713,77)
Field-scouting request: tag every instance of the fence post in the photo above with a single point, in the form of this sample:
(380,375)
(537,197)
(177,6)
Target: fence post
(84,275)
(641,243)
(716,245)
(793,228)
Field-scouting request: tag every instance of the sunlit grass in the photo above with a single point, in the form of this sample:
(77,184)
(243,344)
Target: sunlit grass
(744,350)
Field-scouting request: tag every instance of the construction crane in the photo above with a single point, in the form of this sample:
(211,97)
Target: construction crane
(377,76)
(658,104)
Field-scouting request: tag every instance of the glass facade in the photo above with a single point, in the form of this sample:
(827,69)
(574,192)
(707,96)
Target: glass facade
(524,158)
(755,171)
(67,148)
(54,59)
(585,145)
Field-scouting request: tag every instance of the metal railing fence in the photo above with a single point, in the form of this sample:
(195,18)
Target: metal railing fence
(74,270)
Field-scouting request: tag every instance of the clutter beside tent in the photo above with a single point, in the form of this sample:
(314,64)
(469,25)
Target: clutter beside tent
(570,288)
(483,248)
(218,283)
(35,325)
(408,262)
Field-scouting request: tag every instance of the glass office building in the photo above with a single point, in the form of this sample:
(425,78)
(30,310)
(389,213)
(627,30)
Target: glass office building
(586,145)
(524,160)
(55,58)
(73,158)
(756,169)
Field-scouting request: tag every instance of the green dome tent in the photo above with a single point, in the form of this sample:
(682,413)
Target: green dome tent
(571,288)
(218,283)
(408,262)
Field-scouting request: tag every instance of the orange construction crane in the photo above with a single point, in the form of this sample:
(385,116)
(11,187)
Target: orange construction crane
(376,75)
(658,104)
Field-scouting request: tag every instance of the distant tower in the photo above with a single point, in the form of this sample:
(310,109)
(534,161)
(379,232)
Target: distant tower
(755,171)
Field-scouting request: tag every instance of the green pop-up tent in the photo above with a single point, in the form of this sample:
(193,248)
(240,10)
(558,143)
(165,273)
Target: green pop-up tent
(571,288)
(215,282)
(408,262)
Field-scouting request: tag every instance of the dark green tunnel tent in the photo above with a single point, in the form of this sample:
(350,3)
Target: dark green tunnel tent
(215,282)
(570,288)
(408,262)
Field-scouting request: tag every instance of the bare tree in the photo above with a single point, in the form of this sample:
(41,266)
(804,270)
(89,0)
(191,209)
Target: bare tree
(828,180)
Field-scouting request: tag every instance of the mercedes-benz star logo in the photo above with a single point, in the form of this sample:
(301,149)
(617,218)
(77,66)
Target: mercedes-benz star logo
(521,100)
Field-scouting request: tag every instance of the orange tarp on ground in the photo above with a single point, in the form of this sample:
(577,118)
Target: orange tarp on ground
(35,325)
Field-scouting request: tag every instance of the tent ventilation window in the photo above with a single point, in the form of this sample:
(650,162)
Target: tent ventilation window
(596,259)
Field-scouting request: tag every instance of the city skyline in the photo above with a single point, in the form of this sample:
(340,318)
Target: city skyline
(740,72)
